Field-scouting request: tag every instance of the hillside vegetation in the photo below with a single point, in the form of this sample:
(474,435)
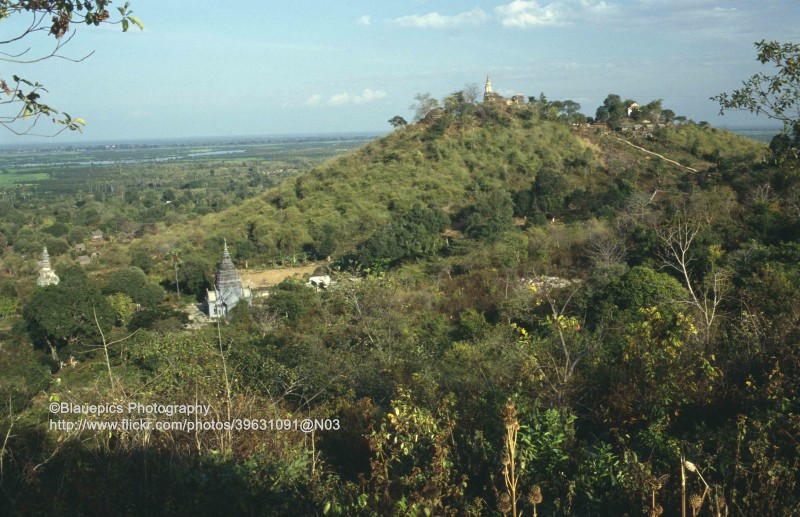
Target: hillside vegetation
(526,316)
(454,162)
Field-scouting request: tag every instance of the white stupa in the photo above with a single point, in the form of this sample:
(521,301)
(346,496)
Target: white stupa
(46,274)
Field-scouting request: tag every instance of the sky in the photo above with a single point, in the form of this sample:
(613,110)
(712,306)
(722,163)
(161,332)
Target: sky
(211,68)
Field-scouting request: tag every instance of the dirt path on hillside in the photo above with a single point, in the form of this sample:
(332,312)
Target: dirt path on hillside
(259,278)
(656,154)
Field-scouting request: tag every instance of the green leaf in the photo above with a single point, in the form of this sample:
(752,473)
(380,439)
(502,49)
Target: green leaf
(137,21)
(124,25)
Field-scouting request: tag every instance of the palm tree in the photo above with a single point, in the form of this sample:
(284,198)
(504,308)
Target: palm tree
(175,256)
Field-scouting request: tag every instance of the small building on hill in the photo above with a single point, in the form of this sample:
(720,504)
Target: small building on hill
(489,94)
(320,282)
(228,289)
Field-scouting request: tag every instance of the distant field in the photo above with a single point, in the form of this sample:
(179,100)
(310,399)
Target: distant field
(10,178)
(54,168)
(132,154)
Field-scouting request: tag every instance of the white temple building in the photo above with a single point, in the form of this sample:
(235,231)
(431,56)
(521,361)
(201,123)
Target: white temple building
(228,290)
(46,274)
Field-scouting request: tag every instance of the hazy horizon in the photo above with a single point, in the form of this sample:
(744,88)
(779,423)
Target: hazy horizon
(39,143)
(322,67)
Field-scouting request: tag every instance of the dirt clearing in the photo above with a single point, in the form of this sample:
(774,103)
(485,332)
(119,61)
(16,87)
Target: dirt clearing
(259,278)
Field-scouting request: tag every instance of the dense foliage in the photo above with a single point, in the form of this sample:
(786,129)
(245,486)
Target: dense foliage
(525,315)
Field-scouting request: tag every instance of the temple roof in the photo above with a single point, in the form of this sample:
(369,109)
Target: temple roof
(45,262)
(227,276)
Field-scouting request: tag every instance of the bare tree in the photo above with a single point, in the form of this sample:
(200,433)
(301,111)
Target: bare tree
(106,344)
(556,358)
(471,93)
(676,239)
(607,252)
(424,104)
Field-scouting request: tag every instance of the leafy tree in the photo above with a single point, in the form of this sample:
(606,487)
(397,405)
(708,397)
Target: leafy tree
(570,108)
(56,246)
(123,306)
(612,111)
(326,241)
(644,287)
(292,299)
(545,198)
(57,229)
(23,106)
(89,215)
(28,242)
(415,233)
(160,318)
(777,95)
(548,191)
(412,456)
(131,196)
(492,214)
(142,258)
(460,103)
(78,234)
(133,282)
(8,306)
(194,277)
(168,195)
(662,365)
(63,314)
(397,121)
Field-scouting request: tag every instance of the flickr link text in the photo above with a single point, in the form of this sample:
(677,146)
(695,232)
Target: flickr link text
(147,417)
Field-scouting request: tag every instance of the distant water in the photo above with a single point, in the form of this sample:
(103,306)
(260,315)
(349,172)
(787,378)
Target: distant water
(760,134)
(128,161)
(189,141)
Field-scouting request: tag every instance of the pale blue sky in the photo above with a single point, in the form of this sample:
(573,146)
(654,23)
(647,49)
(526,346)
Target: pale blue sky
(205,68)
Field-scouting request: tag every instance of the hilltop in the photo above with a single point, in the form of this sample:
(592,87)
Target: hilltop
(453,160)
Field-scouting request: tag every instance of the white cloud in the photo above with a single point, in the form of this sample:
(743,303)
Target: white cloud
(313,100)
(435,20)
(523,14)
(364,20)
(367,95)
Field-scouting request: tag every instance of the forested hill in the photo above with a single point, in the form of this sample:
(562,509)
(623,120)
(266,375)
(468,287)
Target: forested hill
(473,157)
(525,316)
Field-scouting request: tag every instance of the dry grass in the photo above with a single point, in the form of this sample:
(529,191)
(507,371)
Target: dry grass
(260,278)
